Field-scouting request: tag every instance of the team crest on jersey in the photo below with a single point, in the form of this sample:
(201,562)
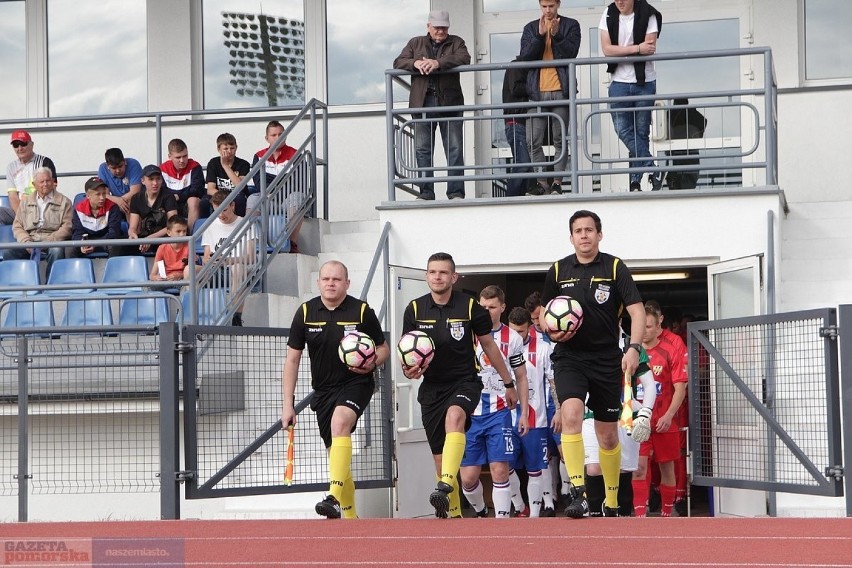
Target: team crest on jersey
(602,293)
(457,330)
(657,369)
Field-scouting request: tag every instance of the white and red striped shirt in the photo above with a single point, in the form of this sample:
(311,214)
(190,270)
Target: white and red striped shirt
(493,397)
(539,372)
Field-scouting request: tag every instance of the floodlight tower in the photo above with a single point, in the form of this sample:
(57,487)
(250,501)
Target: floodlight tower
(267,56)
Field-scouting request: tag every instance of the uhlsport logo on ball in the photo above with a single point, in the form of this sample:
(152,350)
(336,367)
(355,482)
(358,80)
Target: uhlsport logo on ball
(415,349)
(357,350)
(563,313)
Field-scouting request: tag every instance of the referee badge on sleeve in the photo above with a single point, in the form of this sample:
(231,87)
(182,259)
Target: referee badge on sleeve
(457,330)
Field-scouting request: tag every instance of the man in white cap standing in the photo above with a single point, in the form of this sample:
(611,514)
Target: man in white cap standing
(20,172)
(424,55)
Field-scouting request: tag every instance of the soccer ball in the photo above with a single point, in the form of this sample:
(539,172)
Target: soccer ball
(415,349)
(563,313)
(357,350)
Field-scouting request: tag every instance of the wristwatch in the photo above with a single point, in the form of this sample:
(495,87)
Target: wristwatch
(509,385)
(636,346)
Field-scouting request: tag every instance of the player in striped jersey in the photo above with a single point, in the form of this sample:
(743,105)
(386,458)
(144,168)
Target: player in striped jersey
(666,362)
(531,450)
(489,440)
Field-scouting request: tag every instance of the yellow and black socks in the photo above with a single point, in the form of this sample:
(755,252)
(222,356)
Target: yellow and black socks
(451,458)
(611,469)
(575,457)
(339,463)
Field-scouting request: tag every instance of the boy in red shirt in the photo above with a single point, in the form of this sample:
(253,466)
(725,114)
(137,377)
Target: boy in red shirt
(174,256)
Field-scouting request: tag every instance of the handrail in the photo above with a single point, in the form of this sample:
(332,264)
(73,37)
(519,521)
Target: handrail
(765,123)
(381,250)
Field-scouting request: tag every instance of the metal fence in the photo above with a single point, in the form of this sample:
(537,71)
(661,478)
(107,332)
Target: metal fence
(765,403)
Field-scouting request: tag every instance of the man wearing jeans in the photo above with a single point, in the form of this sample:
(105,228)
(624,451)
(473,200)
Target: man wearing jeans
(630,28)
(550,37)
(423,55)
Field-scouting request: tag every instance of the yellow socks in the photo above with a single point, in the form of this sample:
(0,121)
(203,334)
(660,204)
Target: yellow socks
(451,459)
(610,468)
(347,501)
(339,462)
(575,457)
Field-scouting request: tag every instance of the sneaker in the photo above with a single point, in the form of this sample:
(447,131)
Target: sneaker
(635,186)
(483,514)
(455,196)
(578,506)
(609,511)
(440,499)
(427,196)
(328,508)
(548,512)
(556,189)
(656,180)
(237,320)
(535,189)
(525,513)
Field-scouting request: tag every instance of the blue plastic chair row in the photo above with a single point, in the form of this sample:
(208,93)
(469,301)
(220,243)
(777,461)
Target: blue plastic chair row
(84,313)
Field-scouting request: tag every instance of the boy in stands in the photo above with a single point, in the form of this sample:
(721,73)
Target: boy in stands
(226,171)
(184,178)
(175,256)
(96,218)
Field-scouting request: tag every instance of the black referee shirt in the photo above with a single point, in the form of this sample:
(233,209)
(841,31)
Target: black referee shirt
(321,329)
(603,287)
(453,327)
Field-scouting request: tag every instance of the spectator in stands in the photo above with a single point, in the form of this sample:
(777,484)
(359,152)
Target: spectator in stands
(551,36)
(423,55)
(172,259)
(684,123)
(150,209)
(276,163)
(515,91)
(630,28)
(184,179)
(96,218)
(226,171)
(20,173)
(241,258)
(123,178)
(43,216)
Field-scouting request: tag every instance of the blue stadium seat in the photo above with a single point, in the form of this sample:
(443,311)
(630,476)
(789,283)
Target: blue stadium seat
(199,249)
(4,201)
(143,311)
(277,225)
(29,314)
(87,312)
(19,273)
(125,269)
(78,198)
(72,271)
(211,305)
(6,234)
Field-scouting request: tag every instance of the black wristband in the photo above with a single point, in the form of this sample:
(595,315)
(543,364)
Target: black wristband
(509,385)
(636,346)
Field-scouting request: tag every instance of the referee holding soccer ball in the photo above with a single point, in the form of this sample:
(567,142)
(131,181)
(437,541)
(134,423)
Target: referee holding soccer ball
(589,361)
(340,393)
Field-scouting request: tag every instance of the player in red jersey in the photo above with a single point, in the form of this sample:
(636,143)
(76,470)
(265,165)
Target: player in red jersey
(666,363)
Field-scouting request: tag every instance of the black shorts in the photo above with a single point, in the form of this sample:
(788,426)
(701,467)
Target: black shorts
(596,373)
(434,401)
(355,394)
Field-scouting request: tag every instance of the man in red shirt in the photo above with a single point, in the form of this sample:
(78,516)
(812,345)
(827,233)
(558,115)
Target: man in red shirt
(666,363)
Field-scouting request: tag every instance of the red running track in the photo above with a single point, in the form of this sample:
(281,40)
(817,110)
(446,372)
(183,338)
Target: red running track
(657,542)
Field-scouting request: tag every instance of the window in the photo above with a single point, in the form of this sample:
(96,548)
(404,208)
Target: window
(827,39)
(362,43)
(13,59)
(254,53)
(100,68)
(525,5)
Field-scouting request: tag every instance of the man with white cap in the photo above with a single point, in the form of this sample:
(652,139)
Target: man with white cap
(20,172)
(424,55)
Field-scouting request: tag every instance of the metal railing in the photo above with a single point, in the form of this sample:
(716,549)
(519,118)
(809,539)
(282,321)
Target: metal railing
(722,162)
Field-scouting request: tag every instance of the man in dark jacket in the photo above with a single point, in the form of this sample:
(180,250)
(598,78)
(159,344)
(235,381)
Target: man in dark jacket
(424,55)
(515,91)
(550,37)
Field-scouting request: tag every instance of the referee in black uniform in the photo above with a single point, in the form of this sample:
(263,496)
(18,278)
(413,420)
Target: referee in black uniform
(590,361)
(340,394)
(451,387)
